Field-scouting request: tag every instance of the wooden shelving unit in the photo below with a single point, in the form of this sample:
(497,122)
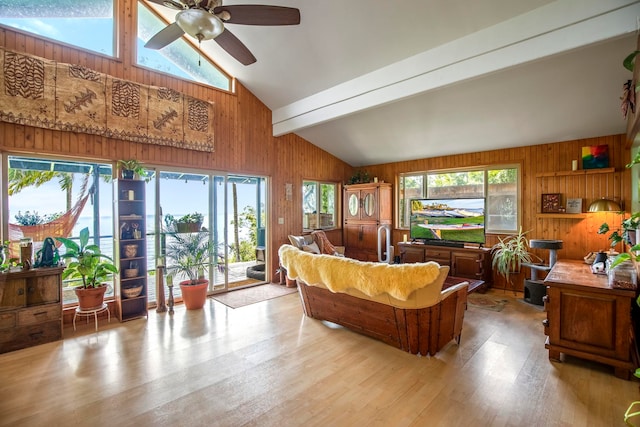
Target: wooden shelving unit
(130,249)
(577,184)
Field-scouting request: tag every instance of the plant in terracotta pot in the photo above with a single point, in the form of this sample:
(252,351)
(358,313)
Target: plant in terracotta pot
(131,168)
(189,255)
(509,254)
(86,262)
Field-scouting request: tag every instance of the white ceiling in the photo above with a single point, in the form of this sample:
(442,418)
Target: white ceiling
(375,82)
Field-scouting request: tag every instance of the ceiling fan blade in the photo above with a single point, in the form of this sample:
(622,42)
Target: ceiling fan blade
(235,47)
(169,34)
(168,3)
(249,14)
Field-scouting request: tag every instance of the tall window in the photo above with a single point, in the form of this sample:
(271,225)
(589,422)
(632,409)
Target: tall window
(86,24)
(498,185)
(318,205)
(58,198)
(180,58)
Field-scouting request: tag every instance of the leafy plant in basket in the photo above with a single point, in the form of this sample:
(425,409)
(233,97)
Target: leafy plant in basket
(131,168)
(188,223)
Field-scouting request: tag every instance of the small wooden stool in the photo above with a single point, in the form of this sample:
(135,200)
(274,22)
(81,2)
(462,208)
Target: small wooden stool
(93,312)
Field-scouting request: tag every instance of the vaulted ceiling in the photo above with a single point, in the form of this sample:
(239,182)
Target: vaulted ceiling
(375,82)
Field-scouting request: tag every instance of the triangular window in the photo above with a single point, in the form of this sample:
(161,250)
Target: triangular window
(180,58)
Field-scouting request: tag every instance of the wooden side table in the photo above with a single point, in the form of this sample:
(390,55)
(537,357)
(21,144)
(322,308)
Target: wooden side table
(588,319)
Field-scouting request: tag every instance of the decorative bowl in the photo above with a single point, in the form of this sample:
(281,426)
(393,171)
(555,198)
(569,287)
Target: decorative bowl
(130,272)
(130,251)
(132,292)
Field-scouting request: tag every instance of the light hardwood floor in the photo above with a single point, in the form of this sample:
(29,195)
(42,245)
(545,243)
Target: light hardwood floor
(267,365)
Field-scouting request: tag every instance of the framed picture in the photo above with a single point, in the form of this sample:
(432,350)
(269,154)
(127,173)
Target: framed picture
(551,202)
(574,205)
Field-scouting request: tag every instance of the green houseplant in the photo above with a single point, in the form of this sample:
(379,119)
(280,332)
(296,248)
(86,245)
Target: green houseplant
(131,168)
(188,223)
(189,254)
(91,266)
(509,254)
(625,233)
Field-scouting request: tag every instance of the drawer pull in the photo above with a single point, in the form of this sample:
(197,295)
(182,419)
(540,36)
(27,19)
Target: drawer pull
(20,291)
(36,335)
(40,313)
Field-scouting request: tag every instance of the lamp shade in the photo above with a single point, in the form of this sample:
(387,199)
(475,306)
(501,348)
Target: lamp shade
(199,24)
(604,205)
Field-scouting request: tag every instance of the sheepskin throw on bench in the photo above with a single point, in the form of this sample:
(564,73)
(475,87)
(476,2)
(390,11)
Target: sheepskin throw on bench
(340,274)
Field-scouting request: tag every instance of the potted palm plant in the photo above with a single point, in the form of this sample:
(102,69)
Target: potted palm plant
(91,266)
(510,254)
(189,255)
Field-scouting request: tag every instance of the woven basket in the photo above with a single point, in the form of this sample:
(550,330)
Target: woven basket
(132,292)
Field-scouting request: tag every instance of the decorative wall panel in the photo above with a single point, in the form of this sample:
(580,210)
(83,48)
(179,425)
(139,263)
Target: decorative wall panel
(54,95)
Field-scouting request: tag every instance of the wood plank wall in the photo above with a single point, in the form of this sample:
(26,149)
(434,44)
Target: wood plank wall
(579,235)
(244,144)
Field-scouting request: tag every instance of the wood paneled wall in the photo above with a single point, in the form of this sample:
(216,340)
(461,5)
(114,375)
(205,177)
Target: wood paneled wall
(244,141)
(579,235)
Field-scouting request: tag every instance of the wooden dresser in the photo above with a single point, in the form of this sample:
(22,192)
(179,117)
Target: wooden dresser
(588,319)
(30,308)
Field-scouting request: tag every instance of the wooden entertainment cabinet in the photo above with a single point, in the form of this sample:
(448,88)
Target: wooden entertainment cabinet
(588,319)
(468,262)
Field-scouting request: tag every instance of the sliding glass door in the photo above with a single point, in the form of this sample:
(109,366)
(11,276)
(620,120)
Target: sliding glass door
(232,208)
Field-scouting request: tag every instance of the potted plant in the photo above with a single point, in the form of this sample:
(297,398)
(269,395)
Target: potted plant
(626,232)
(129,169)
(189,255)
(510,254)
(90,265)
(189,223)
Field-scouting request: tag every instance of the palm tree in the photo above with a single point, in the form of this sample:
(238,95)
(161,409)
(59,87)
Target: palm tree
(19,179)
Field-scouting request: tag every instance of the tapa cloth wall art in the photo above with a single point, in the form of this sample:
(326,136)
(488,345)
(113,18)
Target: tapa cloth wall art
(54,95)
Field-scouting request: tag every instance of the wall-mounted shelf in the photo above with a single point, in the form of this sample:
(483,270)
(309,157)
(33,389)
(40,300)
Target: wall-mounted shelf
(578,172)
(561,215)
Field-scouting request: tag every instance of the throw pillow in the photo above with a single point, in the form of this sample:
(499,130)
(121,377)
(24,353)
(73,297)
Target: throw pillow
(311,247)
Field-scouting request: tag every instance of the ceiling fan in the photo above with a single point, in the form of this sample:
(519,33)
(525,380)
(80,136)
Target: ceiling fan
(206,19)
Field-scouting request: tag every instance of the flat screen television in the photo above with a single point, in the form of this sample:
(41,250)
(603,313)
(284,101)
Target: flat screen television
(448,222)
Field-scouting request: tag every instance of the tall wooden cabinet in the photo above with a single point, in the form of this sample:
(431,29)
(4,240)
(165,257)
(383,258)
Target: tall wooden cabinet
(366,207)
(130,250)
(30,307)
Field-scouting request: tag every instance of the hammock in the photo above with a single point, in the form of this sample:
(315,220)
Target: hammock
(59,227)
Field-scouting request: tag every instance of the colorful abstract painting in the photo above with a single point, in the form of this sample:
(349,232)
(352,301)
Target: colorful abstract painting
(595,157)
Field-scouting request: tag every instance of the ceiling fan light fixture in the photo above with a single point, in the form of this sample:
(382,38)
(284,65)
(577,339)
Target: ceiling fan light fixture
(199,24)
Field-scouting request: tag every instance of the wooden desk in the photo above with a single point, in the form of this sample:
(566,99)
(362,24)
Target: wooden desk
(588,319)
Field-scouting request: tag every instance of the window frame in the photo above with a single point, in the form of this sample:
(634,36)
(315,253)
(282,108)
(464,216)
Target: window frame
(318,210)
(485,169)
(134,48)
(115,55)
